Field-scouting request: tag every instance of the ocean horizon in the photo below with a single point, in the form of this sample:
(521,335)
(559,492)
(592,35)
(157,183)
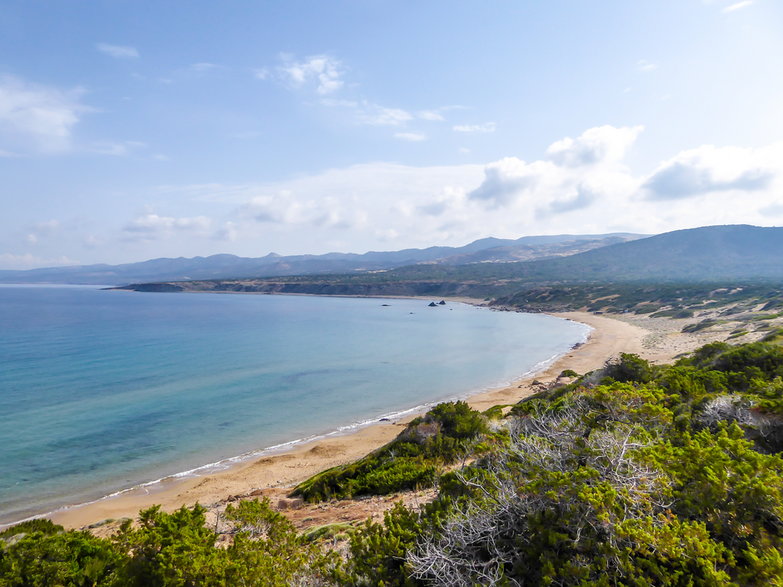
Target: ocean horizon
(104,391)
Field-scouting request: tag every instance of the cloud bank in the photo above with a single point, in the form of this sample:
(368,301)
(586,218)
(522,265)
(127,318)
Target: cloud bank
(579,184)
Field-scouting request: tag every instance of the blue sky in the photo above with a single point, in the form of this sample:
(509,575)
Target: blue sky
(133,130)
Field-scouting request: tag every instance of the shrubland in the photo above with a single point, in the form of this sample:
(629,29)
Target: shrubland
(635,474)
(411,461)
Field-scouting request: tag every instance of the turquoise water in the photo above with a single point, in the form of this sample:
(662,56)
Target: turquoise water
(104,390)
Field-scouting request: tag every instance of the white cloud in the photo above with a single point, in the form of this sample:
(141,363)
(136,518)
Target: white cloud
(289,208)
(324,74)
(582,198)
(709,169)
(432,115)
(576,174)
(38,118)
(152,226)
(376,115)
(320,71)
(118,51)
(372,114)
(579,184)
(595,145)
(410,136)
(736,6)
(474,128)
(357,207)
(509,179)
(228,232)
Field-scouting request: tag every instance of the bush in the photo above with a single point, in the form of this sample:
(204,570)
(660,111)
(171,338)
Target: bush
(50,556)
(378,550)
(493,413)
(410,461)
(40,525)
(628,367)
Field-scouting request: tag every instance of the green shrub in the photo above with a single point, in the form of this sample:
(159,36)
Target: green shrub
(378,550)
(703,325)
(40,525)
(628,367)
(50,556)
(493,413)
(410,461)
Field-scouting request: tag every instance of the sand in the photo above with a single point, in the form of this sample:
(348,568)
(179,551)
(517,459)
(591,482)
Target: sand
(275,474)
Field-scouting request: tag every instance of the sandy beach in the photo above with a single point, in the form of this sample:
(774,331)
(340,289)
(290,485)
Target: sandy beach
(657,340)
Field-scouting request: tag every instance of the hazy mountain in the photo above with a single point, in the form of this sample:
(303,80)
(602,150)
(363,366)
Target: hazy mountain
(710,253)
(272,265)
(698,254)
(714,254)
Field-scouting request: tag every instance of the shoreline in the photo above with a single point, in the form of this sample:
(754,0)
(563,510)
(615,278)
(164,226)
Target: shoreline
(285,465)
(143,490)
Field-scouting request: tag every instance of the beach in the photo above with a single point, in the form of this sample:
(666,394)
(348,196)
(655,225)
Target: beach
(658,340)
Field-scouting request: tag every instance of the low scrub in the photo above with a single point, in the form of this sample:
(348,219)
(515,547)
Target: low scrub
(410,461)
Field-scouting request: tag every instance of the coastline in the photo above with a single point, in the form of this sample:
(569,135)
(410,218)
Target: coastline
(289,465)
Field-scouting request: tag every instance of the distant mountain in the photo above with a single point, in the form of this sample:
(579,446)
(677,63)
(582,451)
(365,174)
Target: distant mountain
(698,254)
(713,254)
(487,250)
(710,253)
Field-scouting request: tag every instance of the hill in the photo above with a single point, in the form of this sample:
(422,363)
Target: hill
(711,254)
(273,265)
(700,254)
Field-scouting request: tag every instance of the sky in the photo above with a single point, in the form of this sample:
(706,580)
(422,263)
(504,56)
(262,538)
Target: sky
(132,130)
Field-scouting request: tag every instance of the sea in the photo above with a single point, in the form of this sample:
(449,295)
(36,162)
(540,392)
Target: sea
(102,391)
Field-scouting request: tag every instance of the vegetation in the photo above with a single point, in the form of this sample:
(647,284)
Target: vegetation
(635,474)
(168,549)
(670,300)
(410,461)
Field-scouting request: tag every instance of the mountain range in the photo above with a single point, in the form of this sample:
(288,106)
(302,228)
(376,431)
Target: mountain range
(710,253)
(726,255)
(223,266)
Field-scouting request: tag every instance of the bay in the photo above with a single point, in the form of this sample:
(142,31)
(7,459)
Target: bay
(104,390)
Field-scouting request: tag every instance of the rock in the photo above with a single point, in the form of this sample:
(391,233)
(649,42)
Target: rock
(442,303)
(432,305)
